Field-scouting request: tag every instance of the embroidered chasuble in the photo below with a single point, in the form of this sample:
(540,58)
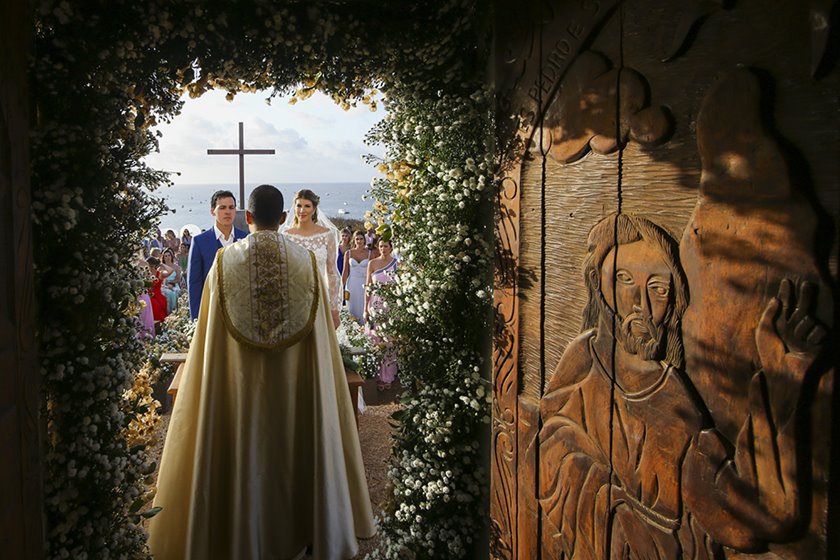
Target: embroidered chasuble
(262,456)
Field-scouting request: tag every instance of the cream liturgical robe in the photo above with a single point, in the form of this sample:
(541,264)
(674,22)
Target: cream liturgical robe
(262,456)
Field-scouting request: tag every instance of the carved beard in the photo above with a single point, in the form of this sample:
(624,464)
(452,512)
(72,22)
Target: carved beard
(648,342)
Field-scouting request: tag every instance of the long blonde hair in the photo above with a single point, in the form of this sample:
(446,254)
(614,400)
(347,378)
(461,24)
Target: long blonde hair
(305,194)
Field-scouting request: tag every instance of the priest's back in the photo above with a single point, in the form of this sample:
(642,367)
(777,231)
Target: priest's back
(262,457)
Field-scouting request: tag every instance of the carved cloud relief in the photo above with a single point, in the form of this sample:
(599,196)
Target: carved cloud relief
(586,116)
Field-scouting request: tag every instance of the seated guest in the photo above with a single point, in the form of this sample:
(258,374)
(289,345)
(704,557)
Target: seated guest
(171,284)
(156,240)
(186,238)
(170,241)
(158,272)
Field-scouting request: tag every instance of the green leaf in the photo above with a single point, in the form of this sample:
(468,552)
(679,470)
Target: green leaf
(149,513)
(136,448)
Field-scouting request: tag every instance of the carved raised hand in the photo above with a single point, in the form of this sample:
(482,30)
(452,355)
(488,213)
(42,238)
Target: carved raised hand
(788,338)
(754,497)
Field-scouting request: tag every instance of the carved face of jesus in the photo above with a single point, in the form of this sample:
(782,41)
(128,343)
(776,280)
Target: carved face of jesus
(641,282)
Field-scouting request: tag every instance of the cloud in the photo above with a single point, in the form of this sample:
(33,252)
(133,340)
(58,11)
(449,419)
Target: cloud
(267,136)
(315,141)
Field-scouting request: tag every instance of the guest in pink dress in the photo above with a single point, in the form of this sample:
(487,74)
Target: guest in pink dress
(381,270)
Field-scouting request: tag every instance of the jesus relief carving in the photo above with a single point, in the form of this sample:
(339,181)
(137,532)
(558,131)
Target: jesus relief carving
(631,464)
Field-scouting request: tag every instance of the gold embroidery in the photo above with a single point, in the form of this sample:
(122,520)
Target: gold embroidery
(270,304)
(269,325)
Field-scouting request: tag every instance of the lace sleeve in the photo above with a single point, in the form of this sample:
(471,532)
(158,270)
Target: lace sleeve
(333,278)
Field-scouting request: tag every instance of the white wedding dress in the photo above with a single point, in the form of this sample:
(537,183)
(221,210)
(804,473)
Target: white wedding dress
(325,248)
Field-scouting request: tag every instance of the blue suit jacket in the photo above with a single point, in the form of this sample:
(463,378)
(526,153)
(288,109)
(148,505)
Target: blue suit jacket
(202,253)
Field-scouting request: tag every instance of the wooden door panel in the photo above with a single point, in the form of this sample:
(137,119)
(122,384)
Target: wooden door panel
(21,524)
(682,134)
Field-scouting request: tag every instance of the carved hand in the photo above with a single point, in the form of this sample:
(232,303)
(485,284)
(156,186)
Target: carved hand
(788,338)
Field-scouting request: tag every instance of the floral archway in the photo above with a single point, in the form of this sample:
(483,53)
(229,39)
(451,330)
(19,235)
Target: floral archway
(103,73)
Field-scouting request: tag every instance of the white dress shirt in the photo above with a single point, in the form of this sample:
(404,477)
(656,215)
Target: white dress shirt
(221,236)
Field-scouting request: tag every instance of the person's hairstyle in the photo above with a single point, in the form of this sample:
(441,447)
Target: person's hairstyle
(348,231)
(622,229)
(221,194)
(306,194)
(266,206)
(154,252)
(169,232)
(359,233)
(151,261)
(169,252)
(390,242)
(186,233)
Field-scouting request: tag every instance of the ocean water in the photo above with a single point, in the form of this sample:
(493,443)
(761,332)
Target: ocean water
(190,204)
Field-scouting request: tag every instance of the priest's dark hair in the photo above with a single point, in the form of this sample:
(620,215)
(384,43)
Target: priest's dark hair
(221,194)
(266,206)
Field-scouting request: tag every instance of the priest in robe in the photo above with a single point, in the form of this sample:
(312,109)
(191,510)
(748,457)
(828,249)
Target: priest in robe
(262,456)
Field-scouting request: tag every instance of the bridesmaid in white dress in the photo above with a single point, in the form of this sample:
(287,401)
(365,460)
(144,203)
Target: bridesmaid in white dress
(307,230)
(355,269)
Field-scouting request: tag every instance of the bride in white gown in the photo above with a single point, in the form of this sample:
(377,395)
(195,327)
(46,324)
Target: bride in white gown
(313,232)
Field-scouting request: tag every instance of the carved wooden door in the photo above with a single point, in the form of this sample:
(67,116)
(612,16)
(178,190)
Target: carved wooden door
(666,279)
(20,477)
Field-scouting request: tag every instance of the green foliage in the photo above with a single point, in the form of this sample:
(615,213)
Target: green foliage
(434,199)
(103,73)
(352,335)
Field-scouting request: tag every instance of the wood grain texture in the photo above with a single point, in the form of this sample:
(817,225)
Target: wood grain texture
(21,528)
(503,467)
(803,116)
(733,272)
(577,197)
(661,183)
(530,280)
(528,513)
(514,55)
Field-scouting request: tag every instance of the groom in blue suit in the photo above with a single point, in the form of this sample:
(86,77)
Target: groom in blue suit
(204,246)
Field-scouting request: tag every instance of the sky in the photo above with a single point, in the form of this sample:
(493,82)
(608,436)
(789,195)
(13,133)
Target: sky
(315,140)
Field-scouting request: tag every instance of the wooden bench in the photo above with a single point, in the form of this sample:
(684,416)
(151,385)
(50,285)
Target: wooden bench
(179,358)
(354,380)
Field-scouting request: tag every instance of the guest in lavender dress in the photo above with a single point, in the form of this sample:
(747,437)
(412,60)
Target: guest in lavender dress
(381,270)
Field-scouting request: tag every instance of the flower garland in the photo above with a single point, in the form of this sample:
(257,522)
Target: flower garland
(102,75)
(433,201)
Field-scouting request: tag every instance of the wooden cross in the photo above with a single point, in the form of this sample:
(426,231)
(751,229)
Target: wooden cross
(241,152)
